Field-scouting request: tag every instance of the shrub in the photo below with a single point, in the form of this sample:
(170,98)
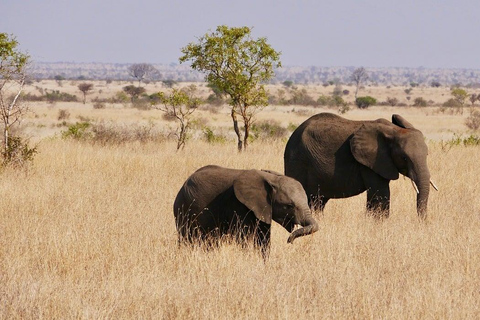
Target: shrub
(211,137)
(108,134)
(392,101)
(77,131)
(453,104)
(420,102)
(99,105)
(301,97)
(365,102)
(323,100)
(473,120)
(63,114)
(56,95)
(269,129)
(458,140)
(18,153)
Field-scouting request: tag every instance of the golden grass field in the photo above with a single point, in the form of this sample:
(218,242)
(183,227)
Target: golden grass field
(88,232)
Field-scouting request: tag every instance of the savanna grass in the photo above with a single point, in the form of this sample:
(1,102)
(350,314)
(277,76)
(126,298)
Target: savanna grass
(88,232)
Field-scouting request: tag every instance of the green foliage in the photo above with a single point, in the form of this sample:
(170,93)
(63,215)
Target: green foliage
(458,140)
(18,153)
(12,61)
(365,102)
(268,130)
(77,131)
(238,66)
(56,95)
(459,95)
(211,137)
(301,97)
(179,105)
(133,91)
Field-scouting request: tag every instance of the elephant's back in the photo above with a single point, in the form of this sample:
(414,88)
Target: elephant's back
(201,188)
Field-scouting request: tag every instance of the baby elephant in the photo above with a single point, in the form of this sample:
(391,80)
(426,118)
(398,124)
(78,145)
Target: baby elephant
(216,201)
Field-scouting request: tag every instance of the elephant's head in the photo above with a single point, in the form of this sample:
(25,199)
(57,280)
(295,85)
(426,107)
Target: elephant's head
(392,148)
(272,196)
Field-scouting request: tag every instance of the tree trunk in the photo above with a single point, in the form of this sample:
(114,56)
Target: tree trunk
(237,130)
(246,134)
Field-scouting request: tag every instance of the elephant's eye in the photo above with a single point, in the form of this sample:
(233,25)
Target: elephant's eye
(289,206)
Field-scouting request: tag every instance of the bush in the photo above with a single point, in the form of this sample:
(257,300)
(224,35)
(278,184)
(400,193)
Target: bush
(365,102)
(323,100)
(63,115)
(392,101)
(458,140)
(108,134)
(211,137)
(77,131)
(473,120)
(301,97)
(420,102)
(269,129)
(56,95)
(18,152)
(99,105)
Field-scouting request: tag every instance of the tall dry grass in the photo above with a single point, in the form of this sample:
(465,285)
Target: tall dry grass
(88,232)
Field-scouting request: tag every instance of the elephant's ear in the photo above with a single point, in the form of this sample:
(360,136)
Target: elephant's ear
(370,147)
(254,191)
(401,122)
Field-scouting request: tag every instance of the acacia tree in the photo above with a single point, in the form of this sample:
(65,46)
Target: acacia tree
(180,104)
(358,76)
(133,92)
(237,65)
(13,74)
(142,71)
(85,88)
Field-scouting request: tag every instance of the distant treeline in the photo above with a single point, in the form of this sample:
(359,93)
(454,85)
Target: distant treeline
(297,75)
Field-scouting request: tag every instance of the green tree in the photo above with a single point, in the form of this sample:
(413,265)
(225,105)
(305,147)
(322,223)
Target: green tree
(459,94)
(133,92)
(238,65)
(180,104)
(13,74)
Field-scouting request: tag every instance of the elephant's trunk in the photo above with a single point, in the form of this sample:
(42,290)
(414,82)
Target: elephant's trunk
(309,226)
(423,184)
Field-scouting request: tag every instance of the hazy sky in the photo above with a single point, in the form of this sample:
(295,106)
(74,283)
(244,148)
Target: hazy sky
(369,33)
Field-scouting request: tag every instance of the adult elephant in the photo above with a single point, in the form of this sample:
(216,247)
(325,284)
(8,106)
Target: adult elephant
(216,201)
(333,157)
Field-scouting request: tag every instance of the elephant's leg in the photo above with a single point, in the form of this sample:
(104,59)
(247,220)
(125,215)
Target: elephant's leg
(378,194)
(378,201)
(262,238)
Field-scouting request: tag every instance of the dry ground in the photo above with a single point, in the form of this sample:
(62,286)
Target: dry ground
(88,232)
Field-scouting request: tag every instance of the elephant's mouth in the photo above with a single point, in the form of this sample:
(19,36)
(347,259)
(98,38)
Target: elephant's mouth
(289,225)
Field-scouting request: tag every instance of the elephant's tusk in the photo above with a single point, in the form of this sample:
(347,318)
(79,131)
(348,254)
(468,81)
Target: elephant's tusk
(433,185)
(415,186)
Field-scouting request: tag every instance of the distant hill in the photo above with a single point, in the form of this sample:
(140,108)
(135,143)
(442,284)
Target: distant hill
(299,75)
